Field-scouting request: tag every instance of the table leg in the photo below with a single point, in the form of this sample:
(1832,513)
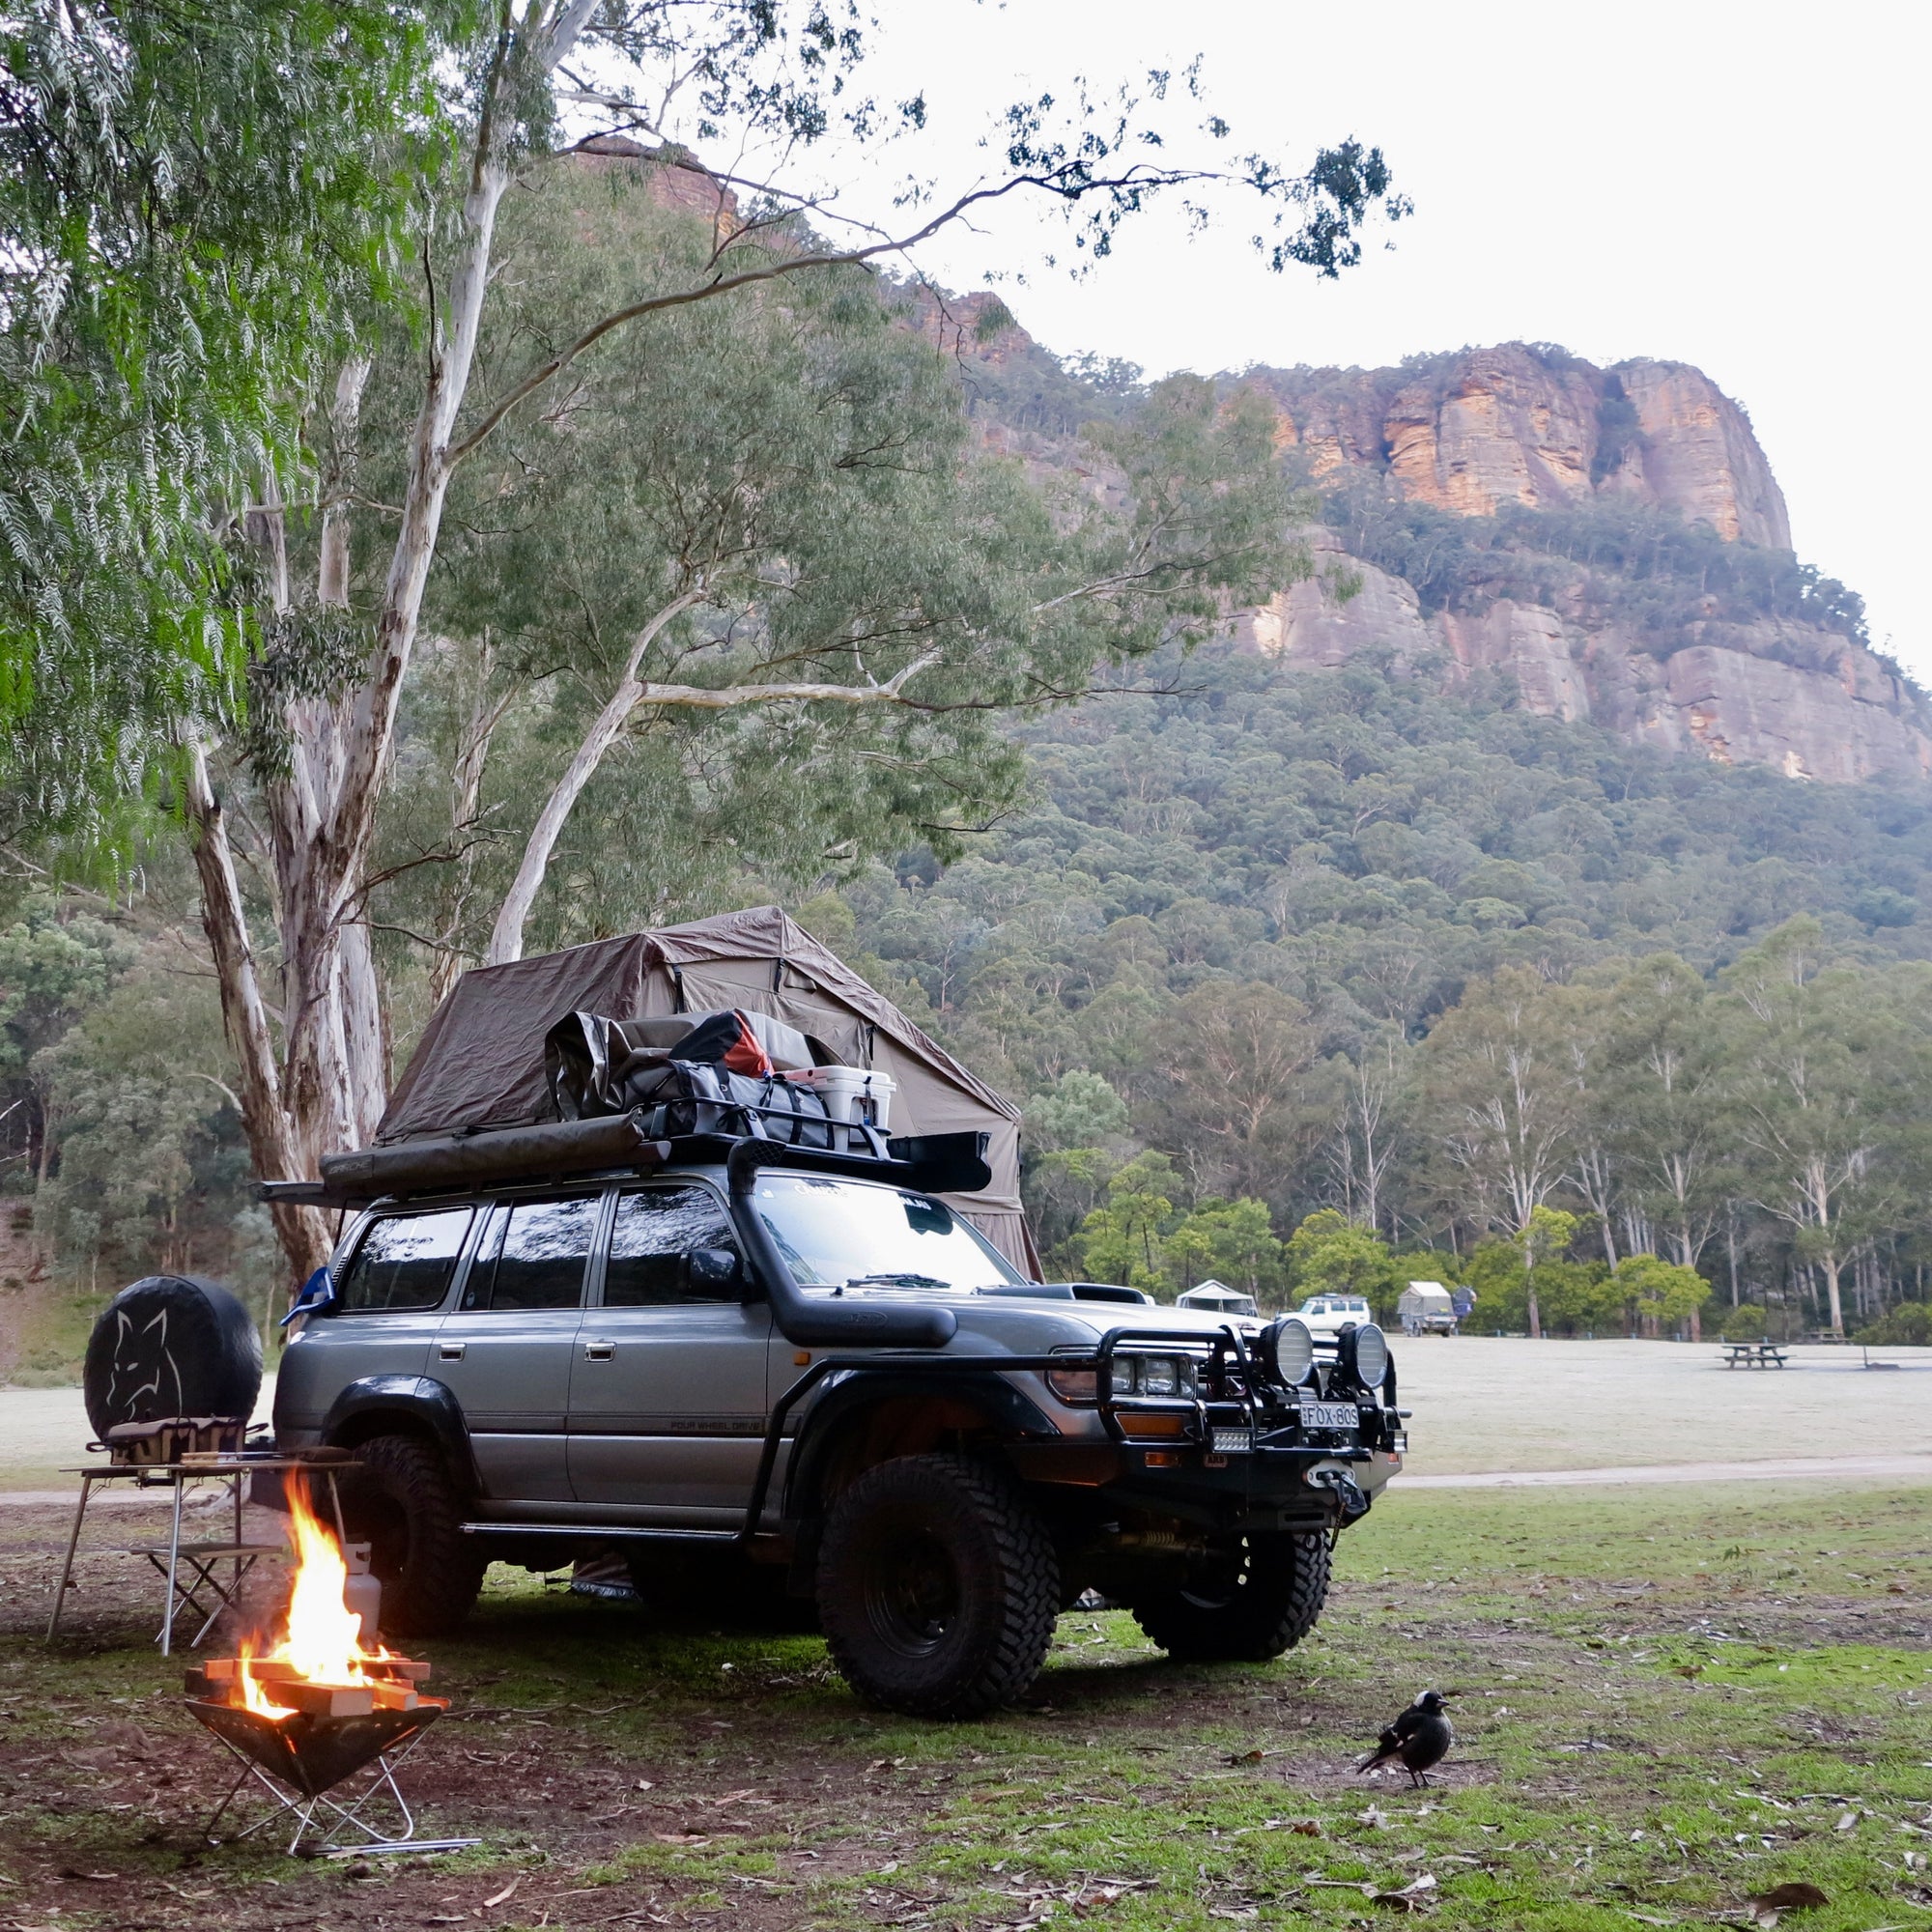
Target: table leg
(67,1568)
(174,1561)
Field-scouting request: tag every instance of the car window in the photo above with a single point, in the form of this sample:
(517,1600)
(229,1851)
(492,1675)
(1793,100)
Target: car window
(654,1230)
(856,1233)
(402,1262)
(533,1255)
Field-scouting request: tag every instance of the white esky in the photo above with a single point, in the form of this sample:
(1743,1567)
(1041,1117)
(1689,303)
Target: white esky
(1728,184)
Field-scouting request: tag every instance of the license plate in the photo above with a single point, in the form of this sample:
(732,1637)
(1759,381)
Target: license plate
(1330,1415)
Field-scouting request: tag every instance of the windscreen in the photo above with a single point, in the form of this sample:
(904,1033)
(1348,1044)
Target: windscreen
(846,1233)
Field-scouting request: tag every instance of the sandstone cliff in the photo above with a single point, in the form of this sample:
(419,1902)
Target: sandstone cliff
(1472,432)
(1581,496)
(1560,484)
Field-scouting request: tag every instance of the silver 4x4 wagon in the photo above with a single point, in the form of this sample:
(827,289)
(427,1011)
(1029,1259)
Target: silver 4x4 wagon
(808,1363)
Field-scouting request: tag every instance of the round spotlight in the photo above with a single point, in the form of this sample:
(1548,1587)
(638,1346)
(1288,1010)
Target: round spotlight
(1364,1353)
(1286,1348)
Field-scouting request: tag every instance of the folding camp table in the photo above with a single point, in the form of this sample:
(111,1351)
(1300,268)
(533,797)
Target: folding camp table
(191,1570)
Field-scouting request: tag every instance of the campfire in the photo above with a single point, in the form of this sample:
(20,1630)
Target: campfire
(321,1705)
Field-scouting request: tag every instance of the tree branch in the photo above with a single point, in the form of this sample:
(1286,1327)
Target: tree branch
(1058,182)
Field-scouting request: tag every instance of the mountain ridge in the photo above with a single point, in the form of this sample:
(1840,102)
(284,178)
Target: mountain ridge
(1615,541)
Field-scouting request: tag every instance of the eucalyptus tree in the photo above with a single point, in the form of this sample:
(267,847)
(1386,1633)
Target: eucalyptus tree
(756,551)
(1500,1085)
(1825,1073)
(751,75)
(1659,1097)
(191,200)
(1233,1058)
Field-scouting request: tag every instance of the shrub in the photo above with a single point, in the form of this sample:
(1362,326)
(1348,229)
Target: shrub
(1908,1325)
(1744,1322)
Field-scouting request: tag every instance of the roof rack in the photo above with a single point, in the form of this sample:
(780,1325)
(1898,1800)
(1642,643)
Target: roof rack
(562,1149)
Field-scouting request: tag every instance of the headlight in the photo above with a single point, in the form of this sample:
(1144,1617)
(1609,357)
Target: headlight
(1161,1377)
(1077,1386)
(1364,1353)
(1160,1374)
(1286,1348)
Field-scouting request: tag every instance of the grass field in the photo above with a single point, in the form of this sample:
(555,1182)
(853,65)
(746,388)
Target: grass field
(1670,1701)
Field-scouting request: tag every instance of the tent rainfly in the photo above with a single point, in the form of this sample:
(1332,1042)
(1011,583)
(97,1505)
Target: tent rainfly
(480,1062)
(1218,1298)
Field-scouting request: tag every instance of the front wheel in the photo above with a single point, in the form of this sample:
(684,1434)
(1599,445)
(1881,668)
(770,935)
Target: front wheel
(937,1587)
(1249,1603)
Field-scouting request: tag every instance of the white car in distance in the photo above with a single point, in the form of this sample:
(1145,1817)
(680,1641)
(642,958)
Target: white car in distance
(1327,1314)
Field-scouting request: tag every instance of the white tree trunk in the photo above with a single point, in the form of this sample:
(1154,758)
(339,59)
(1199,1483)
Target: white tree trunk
(302,1235)
(507,938)
(466,797)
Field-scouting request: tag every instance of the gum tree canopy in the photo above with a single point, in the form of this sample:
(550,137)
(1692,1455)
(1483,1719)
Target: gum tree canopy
(219,221)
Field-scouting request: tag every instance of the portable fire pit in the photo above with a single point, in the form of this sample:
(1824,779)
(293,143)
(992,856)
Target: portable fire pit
(321,1721)
(303,1742)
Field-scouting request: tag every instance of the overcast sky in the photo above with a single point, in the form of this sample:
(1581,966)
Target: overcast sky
(1735,185)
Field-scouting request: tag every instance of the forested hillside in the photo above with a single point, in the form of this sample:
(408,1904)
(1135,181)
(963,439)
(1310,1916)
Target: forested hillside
(1365,923)
(1342,939)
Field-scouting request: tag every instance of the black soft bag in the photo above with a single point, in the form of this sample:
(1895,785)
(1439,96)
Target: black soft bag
(683,1073)
(686,1096)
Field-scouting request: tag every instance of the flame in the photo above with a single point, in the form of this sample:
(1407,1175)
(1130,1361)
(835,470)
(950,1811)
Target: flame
(324,1639)
(322,1636)
(252,1696)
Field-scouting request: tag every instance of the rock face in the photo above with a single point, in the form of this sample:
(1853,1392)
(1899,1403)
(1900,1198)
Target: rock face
(1697,455)
(1841,718)
(1504,429)
(1514,424)
(1489,430)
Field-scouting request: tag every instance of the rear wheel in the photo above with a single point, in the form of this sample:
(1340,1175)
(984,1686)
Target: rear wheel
(1250,1602)
(937,1587)
(403,1503)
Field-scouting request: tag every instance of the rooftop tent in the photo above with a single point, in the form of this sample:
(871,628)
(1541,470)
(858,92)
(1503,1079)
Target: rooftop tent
(480,1062)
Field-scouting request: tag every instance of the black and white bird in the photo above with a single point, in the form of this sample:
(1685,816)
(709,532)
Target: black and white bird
(1418,1740)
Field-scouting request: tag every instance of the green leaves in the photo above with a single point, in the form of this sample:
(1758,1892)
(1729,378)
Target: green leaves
(191,204)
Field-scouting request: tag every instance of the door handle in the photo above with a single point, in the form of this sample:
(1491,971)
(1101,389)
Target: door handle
(450,1351)
(598,1351)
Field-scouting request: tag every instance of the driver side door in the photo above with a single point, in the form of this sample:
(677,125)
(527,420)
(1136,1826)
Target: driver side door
(668,1387)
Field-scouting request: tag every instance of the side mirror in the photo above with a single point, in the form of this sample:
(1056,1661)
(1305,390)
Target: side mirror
(714,1271)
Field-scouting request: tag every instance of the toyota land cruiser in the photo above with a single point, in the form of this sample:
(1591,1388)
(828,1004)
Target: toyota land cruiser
(806,1360)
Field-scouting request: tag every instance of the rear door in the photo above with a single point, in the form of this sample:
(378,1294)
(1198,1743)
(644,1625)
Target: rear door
(505,1350)
(668,1389)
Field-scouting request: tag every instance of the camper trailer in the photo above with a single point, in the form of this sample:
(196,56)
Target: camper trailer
(1425,1308)
(1220,1299)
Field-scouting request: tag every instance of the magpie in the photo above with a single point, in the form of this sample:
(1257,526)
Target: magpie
(1419,1738)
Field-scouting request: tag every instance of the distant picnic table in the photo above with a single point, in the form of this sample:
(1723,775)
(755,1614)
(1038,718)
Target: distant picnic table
(1753,1355)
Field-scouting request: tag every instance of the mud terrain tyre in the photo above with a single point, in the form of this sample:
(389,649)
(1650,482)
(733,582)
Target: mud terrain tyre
(403,1503)
(1260,1597)
(937,1587)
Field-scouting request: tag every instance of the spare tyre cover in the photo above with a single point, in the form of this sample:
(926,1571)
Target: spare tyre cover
(171,1344)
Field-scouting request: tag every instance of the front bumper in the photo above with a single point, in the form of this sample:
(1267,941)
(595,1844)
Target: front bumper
(1274,1485)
